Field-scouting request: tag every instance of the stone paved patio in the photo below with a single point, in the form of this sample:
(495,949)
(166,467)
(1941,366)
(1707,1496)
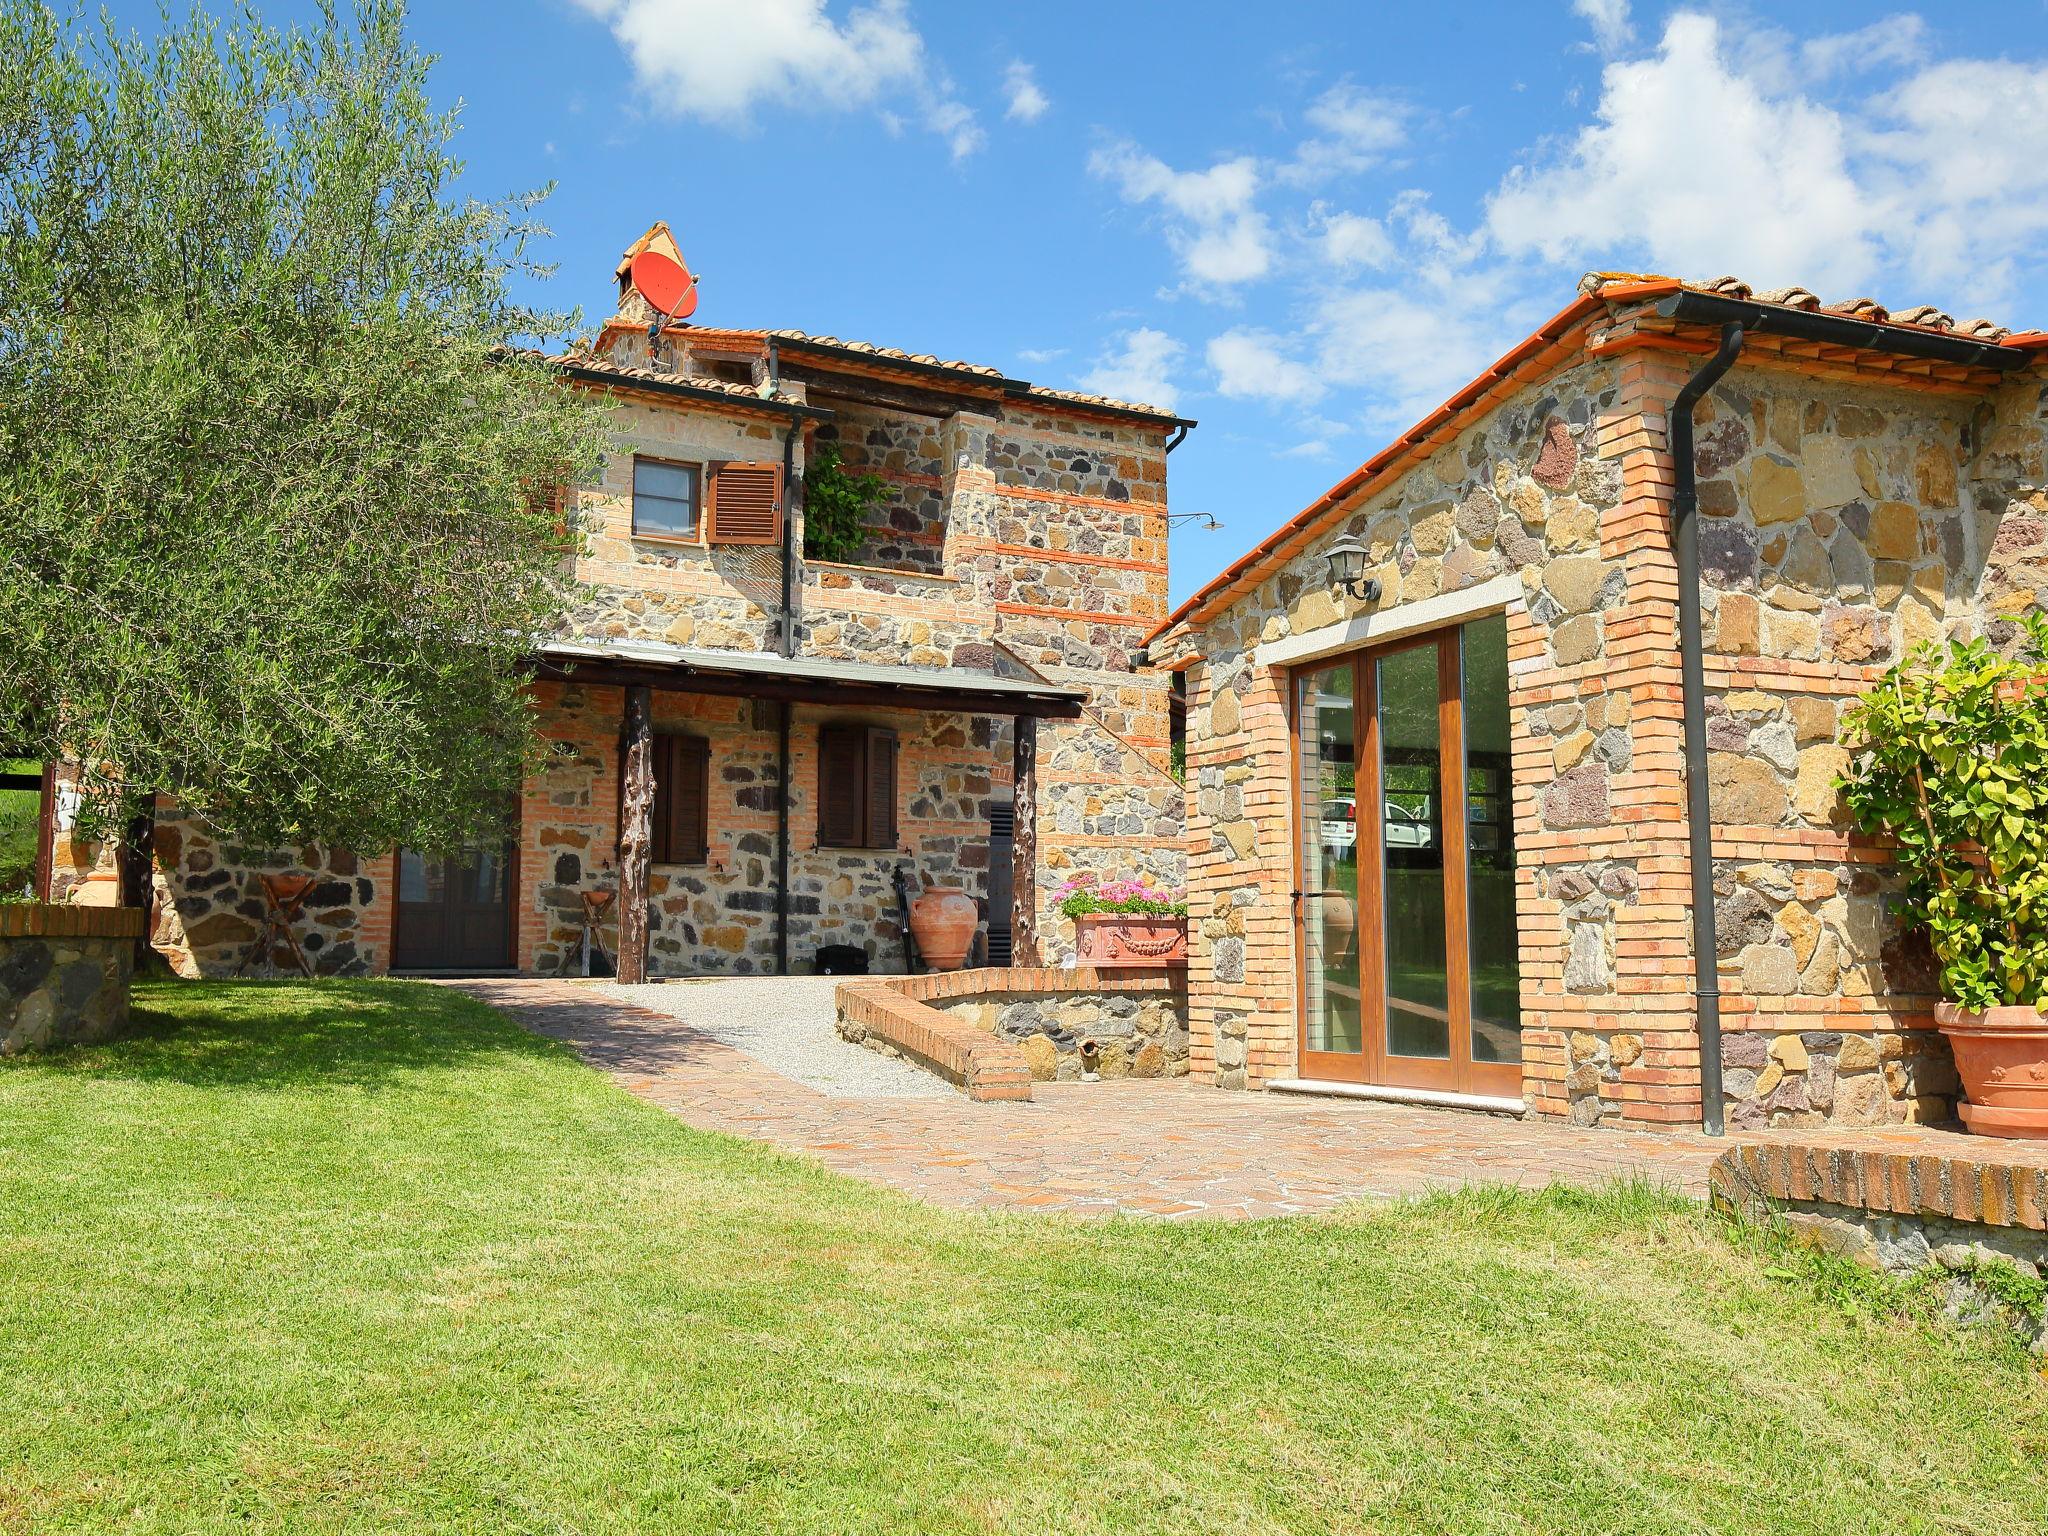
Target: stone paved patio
(1158,1148)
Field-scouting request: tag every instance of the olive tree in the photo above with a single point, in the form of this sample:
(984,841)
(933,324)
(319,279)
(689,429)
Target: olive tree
(275,530)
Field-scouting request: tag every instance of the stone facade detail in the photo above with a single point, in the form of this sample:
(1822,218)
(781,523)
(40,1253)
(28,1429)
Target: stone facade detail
(1843,521)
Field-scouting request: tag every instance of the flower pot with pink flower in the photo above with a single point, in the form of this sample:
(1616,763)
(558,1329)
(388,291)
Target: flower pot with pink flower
(1125,923)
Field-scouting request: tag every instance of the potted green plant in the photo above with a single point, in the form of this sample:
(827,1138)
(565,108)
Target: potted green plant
(1951,763)
(1125,923)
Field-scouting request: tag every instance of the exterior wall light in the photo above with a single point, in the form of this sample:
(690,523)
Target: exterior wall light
(1347,570)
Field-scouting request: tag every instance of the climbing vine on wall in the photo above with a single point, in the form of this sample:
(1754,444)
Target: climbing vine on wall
(836,506)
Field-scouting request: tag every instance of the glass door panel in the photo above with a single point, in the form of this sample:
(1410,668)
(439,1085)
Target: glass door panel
(1406,927)
(1490,848)
(1327,726)
(1418,999)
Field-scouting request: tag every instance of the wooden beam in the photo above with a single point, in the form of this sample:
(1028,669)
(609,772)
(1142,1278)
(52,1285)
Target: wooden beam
(805,691)
(1024,842)
(636,834)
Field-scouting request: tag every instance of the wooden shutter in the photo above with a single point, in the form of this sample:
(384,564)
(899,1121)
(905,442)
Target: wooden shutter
(746,503)
(881,787)
(682,785)
(841,797)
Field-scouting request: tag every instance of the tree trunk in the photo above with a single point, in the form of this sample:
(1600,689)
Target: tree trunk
(1024,842)
(636,836)
(135,863)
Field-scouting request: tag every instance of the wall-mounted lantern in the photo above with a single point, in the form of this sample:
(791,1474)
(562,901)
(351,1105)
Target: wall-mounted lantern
(1347,570)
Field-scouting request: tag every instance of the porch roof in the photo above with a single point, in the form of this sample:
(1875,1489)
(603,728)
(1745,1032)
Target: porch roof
(805,679)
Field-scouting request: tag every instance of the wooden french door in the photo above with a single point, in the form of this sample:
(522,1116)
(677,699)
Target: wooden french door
(455,912)
(1405,920)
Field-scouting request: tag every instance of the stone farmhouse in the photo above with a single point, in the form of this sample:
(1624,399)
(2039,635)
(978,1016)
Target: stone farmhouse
(960,700)
(1442,837)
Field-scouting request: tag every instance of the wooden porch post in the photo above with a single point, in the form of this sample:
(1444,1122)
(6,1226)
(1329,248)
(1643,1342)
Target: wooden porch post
(636,834)
(1024,842)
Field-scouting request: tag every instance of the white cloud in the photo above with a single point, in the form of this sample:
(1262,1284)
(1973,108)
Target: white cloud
(1612,31)
(1250,364)
(1355,130)
(1027,102)
(1041,354)
(1351,240)
(1212,225)
(1895,40)
(1692,167)
(1932,189)
(722,60)
(1138,369)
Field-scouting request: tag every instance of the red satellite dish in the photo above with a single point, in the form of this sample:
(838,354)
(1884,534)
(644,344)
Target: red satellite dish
(665,283)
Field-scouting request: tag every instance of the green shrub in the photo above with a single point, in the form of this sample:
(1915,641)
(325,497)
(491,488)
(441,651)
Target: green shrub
(1952,764)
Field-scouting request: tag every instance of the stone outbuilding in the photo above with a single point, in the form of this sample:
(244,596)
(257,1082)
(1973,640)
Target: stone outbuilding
(1440,841)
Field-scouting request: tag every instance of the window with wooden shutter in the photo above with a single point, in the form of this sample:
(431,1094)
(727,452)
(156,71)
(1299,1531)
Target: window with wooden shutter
(856,787)
(881,788)
(746,503)
(841,797)
(682,796)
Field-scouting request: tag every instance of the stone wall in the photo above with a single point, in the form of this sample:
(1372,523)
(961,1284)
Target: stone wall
(1135,1033)
(64,974)
(907,528)
(1841,526)
(996,1031)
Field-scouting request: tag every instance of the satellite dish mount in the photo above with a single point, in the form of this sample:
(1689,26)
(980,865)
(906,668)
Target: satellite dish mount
(669,289)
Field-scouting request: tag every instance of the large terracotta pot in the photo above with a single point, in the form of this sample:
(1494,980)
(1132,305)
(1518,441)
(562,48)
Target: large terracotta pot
(1115,939)
(2002,1055)
(943,920)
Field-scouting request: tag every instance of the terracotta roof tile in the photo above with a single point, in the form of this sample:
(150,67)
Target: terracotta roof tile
(1920,316)
(927,359)
(1794,297)
(1924,315)
(592,362)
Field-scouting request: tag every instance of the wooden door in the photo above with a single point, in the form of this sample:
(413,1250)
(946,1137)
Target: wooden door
(455,912)
(1405,915)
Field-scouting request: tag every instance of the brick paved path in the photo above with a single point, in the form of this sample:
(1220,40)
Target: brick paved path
(1161,1148)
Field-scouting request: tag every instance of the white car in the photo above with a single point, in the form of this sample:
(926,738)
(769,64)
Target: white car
(1403,828)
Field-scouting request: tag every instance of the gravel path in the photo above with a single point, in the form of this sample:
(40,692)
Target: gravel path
(785,1023)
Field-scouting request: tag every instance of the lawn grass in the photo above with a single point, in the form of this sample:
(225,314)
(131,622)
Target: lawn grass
(366,1257)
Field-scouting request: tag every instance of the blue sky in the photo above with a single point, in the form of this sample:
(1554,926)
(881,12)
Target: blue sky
(1302,223)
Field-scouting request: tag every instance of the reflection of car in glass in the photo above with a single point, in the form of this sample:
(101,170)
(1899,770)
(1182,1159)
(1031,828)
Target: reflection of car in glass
(1405,826)
(1340,823)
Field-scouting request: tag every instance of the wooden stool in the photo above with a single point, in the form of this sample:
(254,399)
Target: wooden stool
(595,905)
(283,896)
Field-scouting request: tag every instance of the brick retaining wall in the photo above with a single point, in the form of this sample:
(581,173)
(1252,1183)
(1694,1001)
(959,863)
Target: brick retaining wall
(996,1029)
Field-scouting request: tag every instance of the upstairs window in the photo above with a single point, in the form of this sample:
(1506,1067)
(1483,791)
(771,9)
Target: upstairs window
(667,498)
(856,787)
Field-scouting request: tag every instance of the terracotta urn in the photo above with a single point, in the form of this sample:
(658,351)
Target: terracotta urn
(1340,924)
(2002,1056)
(1128,939)
(943,920)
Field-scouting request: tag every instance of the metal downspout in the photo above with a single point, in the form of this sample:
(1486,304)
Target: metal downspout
(782,709)
(1685,541)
